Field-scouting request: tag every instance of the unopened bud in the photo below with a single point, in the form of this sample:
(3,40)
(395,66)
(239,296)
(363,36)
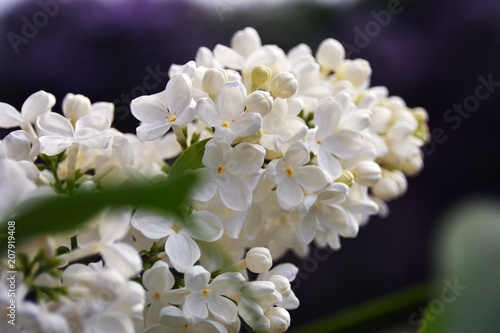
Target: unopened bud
(281,284)
(367,173)
(346,177)
(413,165)
(357,71)
(279,319)
(260,75)
(213,80)
(330,54)
(284,85)
(260,102)
(76,106)
(258,260)
(390,186)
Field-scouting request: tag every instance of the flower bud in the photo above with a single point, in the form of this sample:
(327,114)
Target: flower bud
(346,177)
(357,71)
(390,186)
(258,260)
(279,319)
(213,80)
(330,53)
(281,284)
(284,85)
(413,165)
(260,102)
(246,41)
(260,75)
(76,106)
(367,173)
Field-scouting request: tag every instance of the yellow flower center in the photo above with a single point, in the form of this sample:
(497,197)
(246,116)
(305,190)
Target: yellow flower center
(172,118)
(176,229)
(205,292)
(225,124)
(157,295)
(289,172)
(220,169)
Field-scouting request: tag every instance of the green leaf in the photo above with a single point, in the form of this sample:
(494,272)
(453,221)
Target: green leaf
(190,159)
(57,214)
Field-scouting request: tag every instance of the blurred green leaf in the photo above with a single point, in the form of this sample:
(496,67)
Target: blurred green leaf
(56,214)
(190,159)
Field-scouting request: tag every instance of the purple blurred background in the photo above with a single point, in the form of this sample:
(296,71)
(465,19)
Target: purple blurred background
(431,54)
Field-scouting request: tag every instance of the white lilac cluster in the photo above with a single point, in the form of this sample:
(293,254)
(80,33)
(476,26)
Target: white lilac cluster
(298,149)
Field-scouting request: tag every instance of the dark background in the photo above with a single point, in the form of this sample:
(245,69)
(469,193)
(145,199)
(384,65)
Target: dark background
(431,54)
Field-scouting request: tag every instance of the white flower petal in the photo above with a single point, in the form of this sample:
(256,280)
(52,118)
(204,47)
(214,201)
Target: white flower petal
(290,192)
(54,145)
(204,226)
(228,284)
(178,93)
(297,154)
(104,109)
(231,100)
(311,177)
(152,131)
(16,146)
(111,323)
(332,216)
(245,159)
(329,163)
(247,124)
(327,117)
(123,258)
(151,225)
(344,143)
(222,309)
(195,306)
(37,104)
(228,57)
(51,123)
(94,121)
(206,110)
(235,192)
(158,278)
(182,251)
(9,116)
(149,109)
(114,225)
(307,229)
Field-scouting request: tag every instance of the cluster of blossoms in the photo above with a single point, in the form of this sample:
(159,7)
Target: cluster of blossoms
(297,148)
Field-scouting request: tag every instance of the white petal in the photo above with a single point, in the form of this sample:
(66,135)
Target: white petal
(123,258)
(182,251)
(311,177)
(204,226)
(195,306)
(357,121)
(152,131)
(94,121)
(228,284)
(327,117)
(307,229)
(245,159)
(51,123)
(206,110)
(297,154)
(53,145)
(329,163)
(235,192)
(9,116)
(37,104)
(151,225)
(247,124)
(16,146)
(186,116)
(114,225)
(287,270)
(158,278)
(76,106)
(222,308)
(228,57)
(104,109)
(290,192)
(344,143)
(231,100)
(197,278)
(178,93)
(332,216)
(148,109)
(122,150)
